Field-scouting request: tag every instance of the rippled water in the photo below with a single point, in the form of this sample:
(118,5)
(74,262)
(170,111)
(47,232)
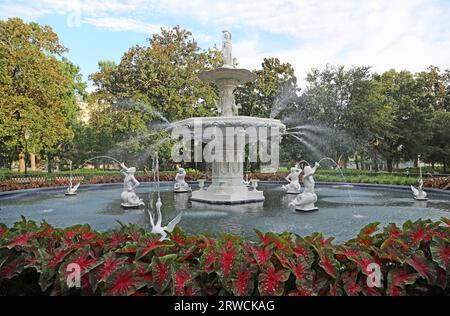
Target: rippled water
(343,210)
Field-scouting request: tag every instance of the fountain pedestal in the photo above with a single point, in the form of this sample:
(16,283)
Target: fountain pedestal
(227,187)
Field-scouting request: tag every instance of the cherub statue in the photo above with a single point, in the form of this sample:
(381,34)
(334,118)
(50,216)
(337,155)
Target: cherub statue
(130,183)
(305,201)
(294,185)
(180,185)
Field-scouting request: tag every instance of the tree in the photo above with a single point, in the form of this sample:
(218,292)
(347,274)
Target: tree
(274,90)
(37,90)
(440,138)
(345,105)
(408,134)
(151,85)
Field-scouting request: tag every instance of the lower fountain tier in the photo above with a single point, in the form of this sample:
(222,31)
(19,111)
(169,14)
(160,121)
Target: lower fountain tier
(227,186)
(226,193)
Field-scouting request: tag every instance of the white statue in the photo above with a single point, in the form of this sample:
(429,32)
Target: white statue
(227,50)
(72,190)
(305,201)
(294,185)
(419,193)
(246,181)
(129,197)
(180,185)
(156,227)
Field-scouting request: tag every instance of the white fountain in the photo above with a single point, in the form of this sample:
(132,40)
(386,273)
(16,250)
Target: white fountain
(130,183)
(304,202)
(227,185)
(293,177)
(180,185)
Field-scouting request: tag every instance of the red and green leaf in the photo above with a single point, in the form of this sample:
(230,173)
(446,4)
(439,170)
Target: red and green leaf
(424,267)
(271,281)
(440,252)
(161,274)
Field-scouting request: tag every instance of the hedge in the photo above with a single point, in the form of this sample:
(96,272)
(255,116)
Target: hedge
(414,260)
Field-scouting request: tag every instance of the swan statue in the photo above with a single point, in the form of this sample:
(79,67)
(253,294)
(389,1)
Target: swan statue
(419,193)
(72,189)
(156,222)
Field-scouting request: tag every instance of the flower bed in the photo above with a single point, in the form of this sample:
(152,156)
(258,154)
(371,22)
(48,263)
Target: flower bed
(34,259)
(438,183)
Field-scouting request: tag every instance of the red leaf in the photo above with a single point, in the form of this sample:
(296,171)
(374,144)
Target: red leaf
(123,282)
(440,252)
(369,229)
(351,285)
(12,268)
(423,266)
(161,274)
(271,281)
(264,238)
(180,277)
(20,240)
(147,244)
(226,258)
(111,264)
(328,263)
(397,279)
(3,230)
(208,259)
(262,255)
(243,283)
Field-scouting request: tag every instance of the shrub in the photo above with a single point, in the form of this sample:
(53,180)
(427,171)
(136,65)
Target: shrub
(34,259)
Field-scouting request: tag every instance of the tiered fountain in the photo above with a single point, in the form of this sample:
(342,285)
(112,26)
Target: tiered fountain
(227,185)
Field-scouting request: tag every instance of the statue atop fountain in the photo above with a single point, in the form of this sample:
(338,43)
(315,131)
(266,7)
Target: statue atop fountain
(419,193)
(180,184)
(294,185)
(304,202)
(130,183)
(227,55)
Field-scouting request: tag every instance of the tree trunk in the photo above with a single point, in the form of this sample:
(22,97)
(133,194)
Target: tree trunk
(444,162)
(32,162)
(21,161)
(356,162)
(389,164)
(50,164)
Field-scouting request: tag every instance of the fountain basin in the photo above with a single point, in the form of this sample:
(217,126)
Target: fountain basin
(343,211)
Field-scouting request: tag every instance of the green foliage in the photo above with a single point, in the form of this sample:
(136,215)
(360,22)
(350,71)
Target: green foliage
(38,88)
(412,259)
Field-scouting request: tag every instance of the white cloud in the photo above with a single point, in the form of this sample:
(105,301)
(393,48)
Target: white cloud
(123,24)
(404,34)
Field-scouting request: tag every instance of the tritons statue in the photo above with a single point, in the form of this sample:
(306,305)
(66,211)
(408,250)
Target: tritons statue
(180,185)
(130,183)
(294,185)
(304,202)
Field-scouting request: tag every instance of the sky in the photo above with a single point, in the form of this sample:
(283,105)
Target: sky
(384,34)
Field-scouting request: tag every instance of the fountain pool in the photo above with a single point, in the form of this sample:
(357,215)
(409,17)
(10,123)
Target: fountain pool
(344,209)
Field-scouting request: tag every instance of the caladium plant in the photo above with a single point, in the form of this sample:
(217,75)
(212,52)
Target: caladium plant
(413,259)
